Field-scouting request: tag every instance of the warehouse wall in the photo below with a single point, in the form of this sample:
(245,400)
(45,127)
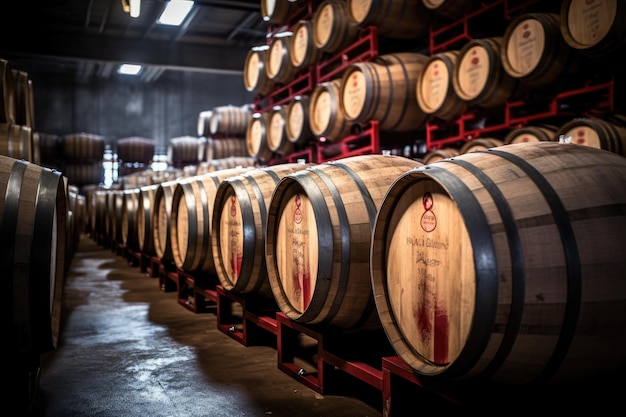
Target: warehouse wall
(121,106)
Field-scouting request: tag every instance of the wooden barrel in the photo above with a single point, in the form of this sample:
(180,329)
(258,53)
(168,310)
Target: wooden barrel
(506,264)
(145,219)
(225,163)
(99,215)
(450,9)
(319,225)
(327,118)
(532,133)
(183,150)
(204,123)
(135,149)
(239,225)
(49,146)
(594,28)
(16,141)
(161,220)
(332,28)
(535,53)
(130,208)
(276,11)
(230,120)
(256,137)
(435,90)
(279,67)
(277,139)
(608,132)
(480,144)
(384,90)
(83,146)
(83,172)
(479,76)
(116,216)
(297,125)
(33,241)
(190,224)
(219,148)
(7,86)
(439,154)
(303,52)
(24,100)
(255,79)
(398,19)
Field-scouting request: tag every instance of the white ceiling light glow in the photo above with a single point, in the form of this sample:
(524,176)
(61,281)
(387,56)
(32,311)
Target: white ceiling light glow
(175,12)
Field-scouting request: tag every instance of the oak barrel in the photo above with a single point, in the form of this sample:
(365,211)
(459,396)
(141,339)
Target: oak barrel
(256,137)
(255,78)
(398,19)
(33,243)
(319,225)
(16,141)
(303,52)
(7,87)
(239,225)
(532,133)
(190,219)
(145,218)
(607,132)
(326,117)
(384,90)
(277,139)
(332,28)
(161,220)
(506,264)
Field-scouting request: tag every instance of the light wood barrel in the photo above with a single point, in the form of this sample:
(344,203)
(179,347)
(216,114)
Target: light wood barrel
(279,67)
(303,52)
(230,120)
(608,132)
(130,208)
(506,264)
(16,141)
(326,115)
(183,150)
(161,220)
(239,225)
(318,234)
(224,148)
(384,90)
(255,78)
(479,76)
(435,90)
(398,19)
(277,139)
(532,133)
(204,123)
(439,154)
(277,11)
(480,144)
(535,53)
(145,218)
(332,28)
(191,214)
(297,125)
(7,87)
(595,29)
(225,163)
(256,137)
(34,212)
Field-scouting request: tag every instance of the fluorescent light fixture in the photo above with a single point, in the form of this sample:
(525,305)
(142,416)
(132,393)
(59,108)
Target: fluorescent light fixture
(175,12)
(129,69)
(135,8)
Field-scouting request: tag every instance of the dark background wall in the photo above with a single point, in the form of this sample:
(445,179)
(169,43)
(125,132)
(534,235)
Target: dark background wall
(122,106)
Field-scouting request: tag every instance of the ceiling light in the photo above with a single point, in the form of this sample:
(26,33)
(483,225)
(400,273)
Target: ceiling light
(131,7)
(129,69)
(175,12)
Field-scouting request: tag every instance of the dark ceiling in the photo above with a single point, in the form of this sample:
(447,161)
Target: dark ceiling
(87,38)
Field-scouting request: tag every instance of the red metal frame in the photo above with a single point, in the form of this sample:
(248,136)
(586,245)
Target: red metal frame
(366,142)
(244,329)
(363,50)
(303,84)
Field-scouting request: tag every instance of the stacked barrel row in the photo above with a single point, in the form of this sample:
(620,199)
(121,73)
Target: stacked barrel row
(16,113)
(446,258)
(529,56)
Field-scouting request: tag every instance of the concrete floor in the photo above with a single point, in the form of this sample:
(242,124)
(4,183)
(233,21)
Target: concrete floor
(128,348)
